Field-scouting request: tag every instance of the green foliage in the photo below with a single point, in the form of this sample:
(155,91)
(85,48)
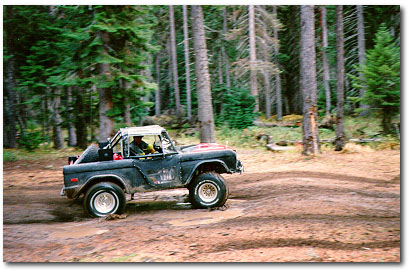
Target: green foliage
(44,152)
(31,140)
(375,15)
(247,138)
(363,127)
(236,108)
(61,47)
(382,77)
(244,138)
(9,156)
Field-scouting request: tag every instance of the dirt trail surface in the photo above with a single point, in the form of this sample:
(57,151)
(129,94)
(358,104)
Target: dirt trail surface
(337,207)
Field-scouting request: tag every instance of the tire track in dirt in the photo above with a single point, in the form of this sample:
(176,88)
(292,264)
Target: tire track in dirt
(256,177)
(300,242)
(268,215)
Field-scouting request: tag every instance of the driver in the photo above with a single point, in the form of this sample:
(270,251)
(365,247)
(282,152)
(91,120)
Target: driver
(139,147)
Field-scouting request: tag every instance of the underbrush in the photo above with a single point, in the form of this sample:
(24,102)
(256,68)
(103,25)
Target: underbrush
(9,156)
(291,134)
(251,138)
(363,127)
(43,152)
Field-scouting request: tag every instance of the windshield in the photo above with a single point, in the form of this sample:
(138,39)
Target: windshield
(167,144)
(152,143)
(149,144)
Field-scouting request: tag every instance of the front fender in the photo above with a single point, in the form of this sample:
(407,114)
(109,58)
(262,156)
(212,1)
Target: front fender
(216,165)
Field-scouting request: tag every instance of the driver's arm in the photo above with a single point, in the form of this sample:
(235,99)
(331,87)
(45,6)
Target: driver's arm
(150,149)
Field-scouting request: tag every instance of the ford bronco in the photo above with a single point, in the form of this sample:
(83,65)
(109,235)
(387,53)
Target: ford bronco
(104,173)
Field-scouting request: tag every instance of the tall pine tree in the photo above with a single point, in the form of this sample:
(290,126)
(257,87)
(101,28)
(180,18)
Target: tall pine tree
(381,73)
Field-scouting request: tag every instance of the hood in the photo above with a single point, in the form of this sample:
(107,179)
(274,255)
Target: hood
(204,147)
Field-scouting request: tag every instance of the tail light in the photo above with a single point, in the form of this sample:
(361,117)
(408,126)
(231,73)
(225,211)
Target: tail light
(72,159)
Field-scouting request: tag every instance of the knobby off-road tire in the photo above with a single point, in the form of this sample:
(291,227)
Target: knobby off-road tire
(89,155)
(208,190)
(103,199)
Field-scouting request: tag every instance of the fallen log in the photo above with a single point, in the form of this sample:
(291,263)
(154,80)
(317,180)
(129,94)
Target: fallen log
(365,140)
(332,140)
(269,138)
(274,147)
(262,124)
(282,145)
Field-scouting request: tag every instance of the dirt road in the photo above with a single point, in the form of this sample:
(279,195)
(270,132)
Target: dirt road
(337,207)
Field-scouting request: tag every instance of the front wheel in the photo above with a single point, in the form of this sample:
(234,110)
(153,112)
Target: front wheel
(208,190)
(104,199)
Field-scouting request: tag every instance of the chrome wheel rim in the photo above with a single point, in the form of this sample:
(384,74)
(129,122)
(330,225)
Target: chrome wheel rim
(105,202)
(208,192)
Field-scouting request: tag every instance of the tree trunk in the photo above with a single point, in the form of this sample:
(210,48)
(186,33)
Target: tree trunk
(43,118)
(361,54)
(226,67)
(22,113)
(267,93)
(55,104)
(187,63)
(267,85)
(325,64)
(127,112)
(339,133)
(58,137)
(224,53)
(148,75)
(106,123)
(253,57)
(286,106)
(6,123)
(170,80)
(157,93)
(311,144)
(174,62)
(204,96)
(279,102)
(387,125)
(92,90)
(220,66)
(9,125)
(80,122)
(48,120)
(72,137)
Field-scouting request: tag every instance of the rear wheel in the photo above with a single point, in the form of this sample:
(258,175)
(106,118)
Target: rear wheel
(104,199)
(208,190)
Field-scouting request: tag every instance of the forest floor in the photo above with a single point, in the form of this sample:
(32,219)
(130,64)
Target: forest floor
(334,207)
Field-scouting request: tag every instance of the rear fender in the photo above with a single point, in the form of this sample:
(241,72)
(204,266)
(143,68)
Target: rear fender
(104,178)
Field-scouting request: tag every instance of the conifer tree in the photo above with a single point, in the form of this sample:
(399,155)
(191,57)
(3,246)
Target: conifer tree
(382,77)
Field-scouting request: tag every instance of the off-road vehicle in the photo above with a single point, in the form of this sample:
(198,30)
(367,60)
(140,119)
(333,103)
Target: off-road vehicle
(104,173)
